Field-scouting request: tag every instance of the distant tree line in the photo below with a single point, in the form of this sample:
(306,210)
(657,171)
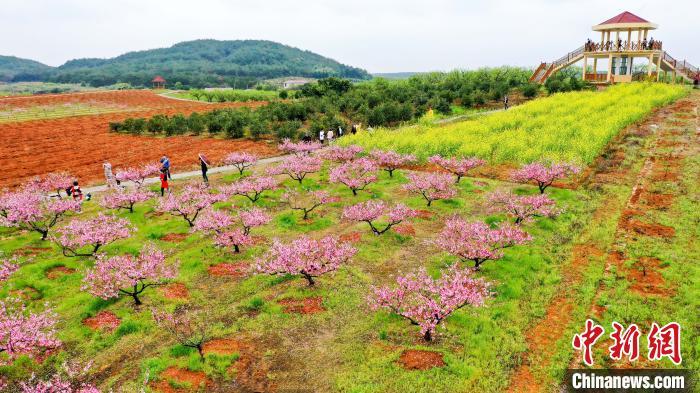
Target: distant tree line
(330,103)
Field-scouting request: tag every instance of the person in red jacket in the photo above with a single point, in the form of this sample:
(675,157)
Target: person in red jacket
(164,181)
(76,191)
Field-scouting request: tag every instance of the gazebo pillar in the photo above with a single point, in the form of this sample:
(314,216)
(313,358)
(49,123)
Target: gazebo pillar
(610,57)
(595,67)
(658,68)
(585,67)
(629,39)
(651,62)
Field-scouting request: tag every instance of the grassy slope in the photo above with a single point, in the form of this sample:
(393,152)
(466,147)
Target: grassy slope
(569,126)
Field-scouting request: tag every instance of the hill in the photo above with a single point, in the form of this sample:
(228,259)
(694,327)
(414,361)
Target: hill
(14,68)
(202,63)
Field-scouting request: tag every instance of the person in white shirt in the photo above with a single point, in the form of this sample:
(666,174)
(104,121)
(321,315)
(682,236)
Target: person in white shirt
(340,131)
(330,136)
(320,136)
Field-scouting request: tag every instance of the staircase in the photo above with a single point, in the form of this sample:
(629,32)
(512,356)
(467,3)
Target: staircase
(682,68)
(545,70)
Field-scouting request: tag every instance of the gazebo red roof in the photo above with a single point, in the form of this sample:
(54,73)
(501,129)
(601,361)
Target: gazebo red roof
(625,17)
(158,79)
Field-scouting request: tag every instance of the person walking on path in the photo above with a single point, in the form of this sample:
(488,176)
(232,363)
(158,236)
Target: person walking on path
(109,176)
(321,136)
(165,161)
(164,182)
(329,135)
(204,162)
(340,131)
(505,102)
(353,130)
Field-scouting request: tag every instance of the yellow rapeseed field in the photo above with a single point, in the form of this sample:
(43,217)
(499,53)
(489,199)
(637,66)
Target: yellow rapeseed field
(563,127)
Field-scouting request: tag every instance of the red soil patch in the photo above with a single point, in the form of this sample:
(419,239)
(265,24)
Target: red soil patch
(34,148)
(238,269)
(31,251)
(616,258)
(523,381)
(223,346)
(425,214)
(309,305)
(653,230)
(352,237)
(104,320)
(657,201)
(414,359)
(26,293)
(175,237)
(257,239)
(251,369)
(646,278)
(405,229)
(194,381)
(175,290)
(58,271)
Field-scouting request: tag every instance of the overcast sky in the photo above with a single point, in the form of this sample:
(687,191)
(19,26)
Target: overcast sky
(377,35)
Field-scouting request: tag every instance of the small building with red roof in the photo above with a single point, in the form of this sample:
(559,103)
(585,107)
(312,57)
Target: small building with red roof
(158,82)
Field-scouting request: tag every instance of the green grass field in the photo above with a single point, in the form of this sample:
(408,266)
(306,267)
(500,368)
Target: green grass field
(567,126)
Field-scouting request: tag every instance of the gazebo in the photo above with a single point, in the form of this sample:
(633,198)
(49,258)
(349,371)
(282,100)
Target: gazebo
(625,40)
(158,82)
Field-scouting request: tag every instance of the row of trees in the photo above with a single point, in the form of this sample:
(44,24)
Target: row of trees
(333,102)
(417,297)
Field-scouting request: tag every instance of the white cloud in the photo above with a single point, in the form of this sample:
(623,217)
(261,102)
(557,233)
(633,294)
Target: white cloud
(379,35)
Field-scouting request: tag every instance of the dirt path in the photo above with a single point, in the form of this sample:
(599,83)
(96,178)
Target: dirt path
(619,168)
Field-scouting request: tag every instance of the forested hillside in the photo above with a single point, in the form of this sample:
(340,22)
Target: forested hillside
(199,63)
(13,68)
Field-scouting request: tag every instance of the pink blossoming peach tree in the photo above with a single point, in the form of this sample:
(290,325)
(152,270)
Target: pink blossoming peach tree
(128,275)
(138,175)
(341,154)
(229,231)
(125,198)
(357,174)
(241,160)
(426,302)
(431,186)
(457,166)
(391,160)
(544,174)
(189,203)
(7,268)
(377,210)
(306,257)
(251,188)
(84,238)
(523,208)
(297,167)
(34,212)
(477,241)
(23,332)
(306,201)
(53,182)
